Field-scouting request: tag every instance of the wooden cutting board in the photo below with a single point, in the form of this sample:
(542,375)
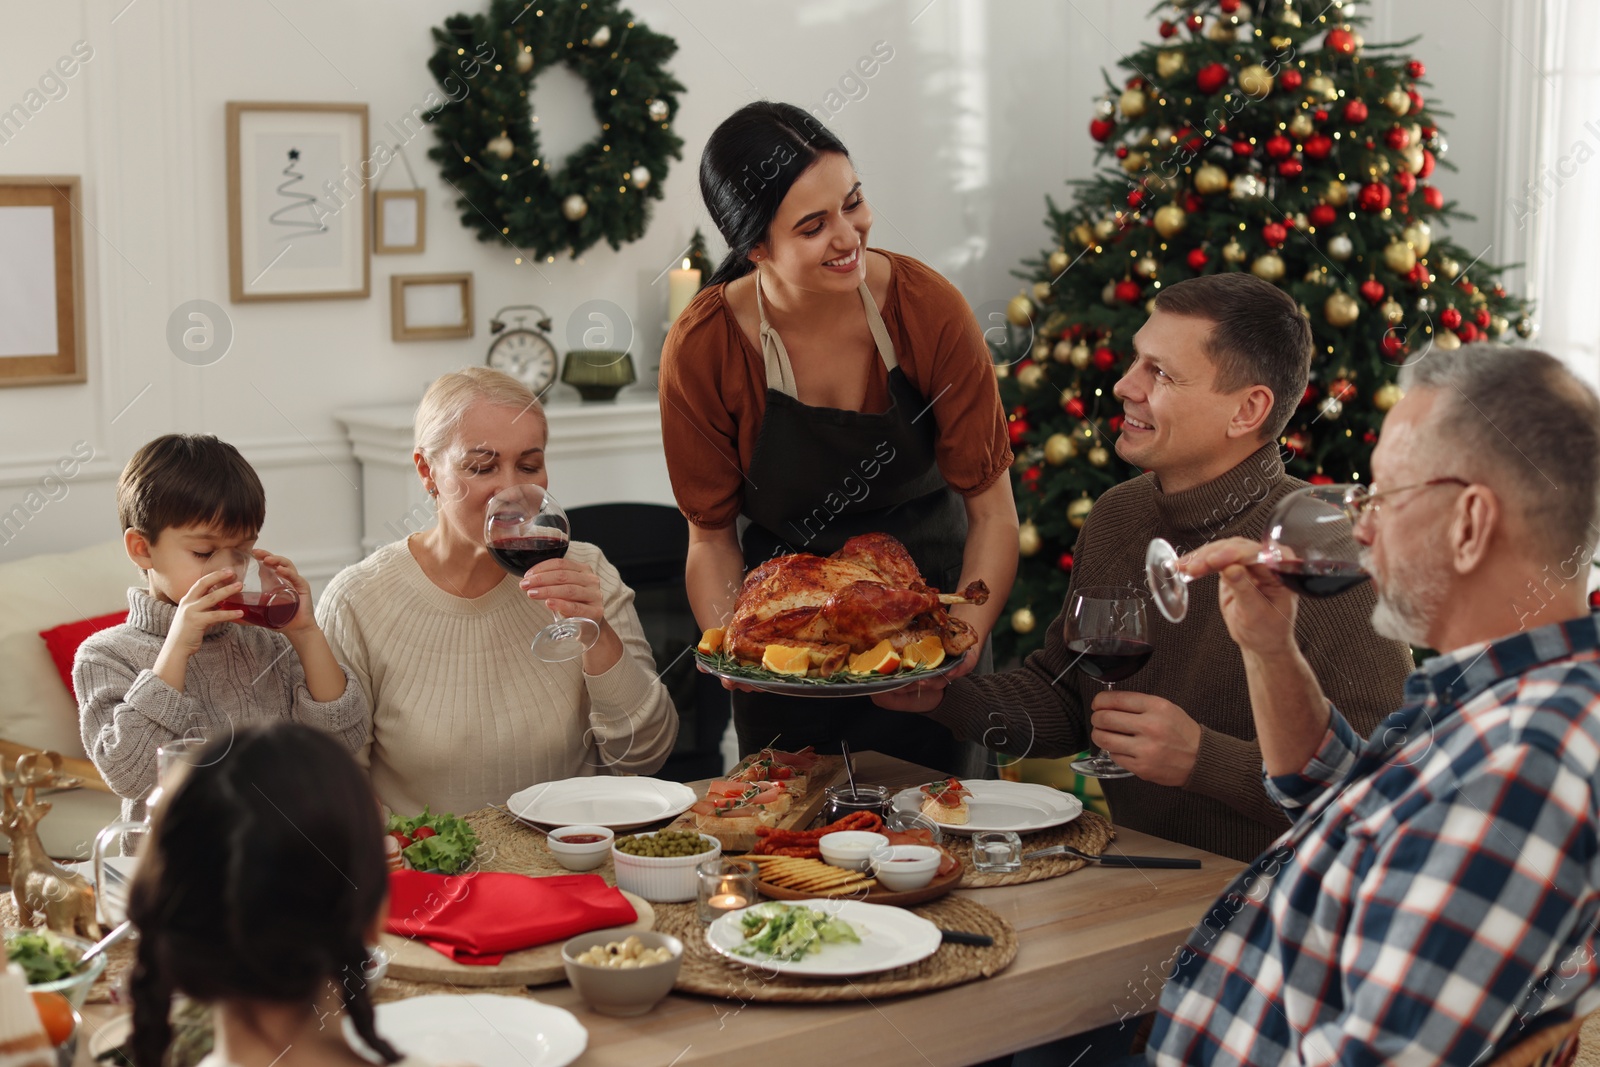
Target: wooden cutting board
(828,771)
(416,962)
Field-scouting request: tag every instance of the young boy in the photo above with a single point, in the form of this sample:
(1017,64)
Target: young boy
(181,666)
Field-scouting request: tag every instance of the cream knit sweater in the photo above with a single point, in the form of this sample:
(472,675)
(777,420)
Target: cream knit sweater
(463,713)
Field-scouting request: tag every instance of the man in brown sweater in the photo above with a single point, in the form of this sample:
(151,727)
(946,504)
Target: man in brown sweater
(1219,368)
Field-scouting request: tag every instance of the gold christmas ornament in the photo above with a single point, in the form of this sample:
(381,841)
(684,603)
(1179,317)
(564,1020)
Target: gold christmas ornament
(1499,324)
(1062,351)
(524,62)
(1170,220)
(1233,252)
(1210,179)
(1019,310)
(1169,63)
(1247,187)
(1059,261)
(1219,31)
(1399,257)
(1022,621)
(1397,101)
(657,110)
(1041,292)
(1108,295)
(1150,306)
(1419,235)
(1280,44)
(1105,228)
(1145,267)
(1083,233)
(600,37)
(1078,511)
(1341,309)
(1391,311)
(1131,103)
(1268,267)
(1340,247)
(1059,448)
(1320,85)
(1446,341)
(1526,328)
(1255,81)
(574,207)
(1098,456)
(1330,407)
(1289,16)
(1028,540)
(640,176)
(1449,267)
(1134,162)
(1079,356)
(1301,125)
(1387,396)
(1337,194)
(1030,376)
(1413,157)
(500,147)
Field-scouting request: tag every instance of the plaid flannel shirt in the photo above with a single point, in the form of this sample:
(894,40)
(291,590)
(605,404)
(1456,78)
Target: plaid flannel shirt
(1436,899)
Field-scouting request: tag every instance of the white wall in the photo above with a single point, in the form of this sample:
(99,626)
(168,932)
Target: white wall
(982,111)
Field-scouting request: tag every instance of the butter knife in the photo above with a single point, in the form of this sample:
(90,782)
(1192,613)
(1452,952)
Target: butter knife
(965,937)
(1113,859)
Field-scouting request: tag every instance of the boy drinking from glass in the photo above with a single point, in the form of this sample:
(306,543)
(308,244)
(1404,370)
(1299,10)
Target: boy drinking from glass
(191,508)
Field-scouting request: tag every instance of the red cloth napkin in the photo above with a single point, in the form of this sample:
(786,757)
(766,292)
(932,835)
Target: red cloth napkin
(477,918)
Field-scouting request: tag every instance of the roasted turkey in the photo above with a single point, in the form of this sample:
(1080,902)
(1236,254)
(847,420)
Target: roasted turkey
(845,603)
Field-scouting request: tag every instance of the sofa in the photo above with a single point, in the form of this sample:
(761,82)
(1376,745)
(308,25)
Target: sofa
(37,710)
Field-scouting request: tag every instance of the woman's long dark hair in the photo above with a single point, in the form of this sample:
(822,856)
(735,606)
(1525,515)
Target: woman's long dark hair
(263,871)
(748,165)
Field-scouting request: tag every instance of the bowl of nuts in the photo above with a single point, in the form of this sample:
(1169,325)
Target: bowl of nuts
(660,866)
(627,977)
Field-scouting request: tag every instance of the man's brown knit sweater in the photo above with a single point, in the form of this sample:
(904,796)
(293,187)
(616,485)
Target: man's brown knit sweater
(1042,708)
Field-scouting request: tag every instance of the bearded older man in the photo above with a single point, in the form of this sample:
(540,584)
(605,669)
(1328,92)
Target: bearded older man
(1437,897)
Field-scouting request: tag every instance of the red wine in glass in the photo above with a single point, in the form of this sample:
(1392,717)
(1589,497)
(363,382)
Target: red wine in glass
(517,554)
(1110,659)
(267,597)
(261,609)
(1319,578)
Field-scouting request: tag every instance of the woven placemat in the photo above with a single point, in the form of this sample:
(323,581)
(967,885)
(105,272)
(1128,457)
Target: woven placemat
(1088,832)
(709,974)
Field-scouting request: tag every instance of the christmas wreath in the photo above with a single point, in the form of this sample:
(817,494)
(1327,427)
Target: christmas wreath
(489,150)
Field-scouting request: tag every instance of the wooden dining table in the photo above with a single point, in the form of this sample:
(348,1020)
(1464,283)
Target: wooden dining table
(1094,947)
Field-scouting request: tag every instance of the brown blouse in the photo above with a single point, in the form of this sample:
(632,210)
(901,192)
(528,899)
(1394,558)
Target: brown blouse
(714,391)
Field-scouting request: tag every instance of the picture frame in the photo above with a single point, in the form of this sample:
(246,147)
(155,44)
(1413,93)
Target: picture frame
(299,216)
(399,222)
(42,339)
(430,307)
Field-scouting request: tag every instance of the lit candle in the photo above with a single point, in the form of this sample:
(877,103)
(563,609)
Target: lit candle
(727,901)
(682,284)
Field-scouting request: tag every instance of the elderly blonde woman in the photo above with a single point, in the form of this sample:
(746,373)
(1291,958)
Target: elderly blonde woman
(438,634)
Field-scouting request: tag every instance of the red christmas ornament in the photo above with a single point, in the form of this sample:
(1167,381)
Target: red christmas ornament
(1318,146)
(1406,181)
(1290,80)
(1374,196)
(1342,391)
(1433,197)
(1393,346)
(1168,29)
(1298,443)
(1274,234)
(1418,274)
(1242,148)
(1122,151)
(1291,168)
(1104,359)
(1355,112)
(1397,138)
(1369,438)
(1427,164)
(1482,318)
(1415,68)
(1278,146)
(1115,423)
(1074,407)
(1135,197)
(1065,562)
(1018,428)
(1416,101)
(1320,479)
(1194,22)
(1128,291)
(1320,115)
(1372,291)
(1030,478)
(1468,332)
(1429,132)
(1340,40)
(1102,129)
(1594,600)
(1450,318)
(1198,259)
(1323,215)
(1308,396)
(1228,6)
(1211,77)
(1192,202)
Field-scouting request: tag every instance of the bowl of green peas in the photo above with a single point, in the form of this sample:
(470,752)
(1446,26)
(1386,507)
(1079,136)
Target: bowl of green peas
(660,866)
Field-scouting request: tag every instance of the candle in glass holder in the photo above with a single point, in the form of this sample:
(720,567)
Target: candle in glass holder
(724,885)
(682,284)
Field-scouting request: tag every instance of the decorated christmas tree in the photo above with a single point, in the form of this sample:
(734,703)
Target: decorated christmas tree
(1260,135)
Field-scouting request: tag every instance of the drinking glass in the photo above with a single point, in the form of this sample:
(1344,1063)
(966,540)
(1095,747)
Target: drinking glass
(267,599)
(524,526)
(1107,628)
(111,884)
(1309,543)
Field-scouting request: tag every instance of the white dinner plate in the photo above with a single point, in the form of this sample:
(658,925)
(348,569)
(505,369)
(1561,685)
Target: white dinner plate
(483,1029)
(994,805)
(890,937)
(615,803)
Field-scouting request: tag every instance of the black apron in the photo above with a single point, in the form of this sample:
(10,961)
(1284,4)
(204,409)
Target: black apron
(818,477)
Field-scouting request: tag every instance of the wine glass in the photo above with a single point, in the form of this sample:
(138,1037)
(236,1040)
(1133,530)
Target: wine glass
(267,597)
(1108,630)
(524,526)
(1309,543)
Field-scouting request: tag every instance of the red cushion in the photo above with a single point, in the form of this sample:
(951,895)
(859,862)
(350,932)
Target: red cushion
(63,641)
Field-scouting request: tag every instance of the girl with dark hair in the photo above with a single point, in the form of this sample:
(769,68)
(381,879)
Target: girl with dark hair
(261,885)
(817,389)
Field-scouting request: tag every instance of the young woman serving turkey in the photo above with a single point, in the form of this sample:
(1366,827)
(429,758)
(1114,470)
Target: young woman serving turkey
(817,389)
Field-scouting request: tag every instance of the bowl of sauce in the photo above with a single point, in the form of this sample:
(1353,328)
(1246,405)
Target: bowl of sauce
(580,848)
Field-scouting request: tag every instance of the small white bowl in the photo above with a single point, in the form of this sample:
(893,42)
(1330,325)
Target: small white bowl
(622,991)
(580,856)
(900,868)
(850,849)
(662,879)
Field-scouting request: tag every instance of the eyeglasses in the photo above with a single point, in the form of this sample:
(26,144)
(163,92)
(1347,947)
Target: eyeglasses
(1360,501)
